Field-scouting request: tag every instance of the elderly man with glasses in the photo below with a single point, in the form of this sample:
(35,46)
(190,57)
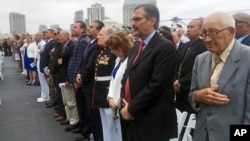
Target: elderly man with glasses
(220,89)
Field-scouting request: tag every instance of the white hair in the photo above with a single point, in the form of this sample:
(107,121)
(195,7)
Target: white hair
(65,33)
(225,19)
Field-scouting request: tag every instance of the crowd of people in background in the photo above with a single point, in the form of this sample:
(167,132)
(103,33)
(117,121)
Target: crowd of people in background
(112,85)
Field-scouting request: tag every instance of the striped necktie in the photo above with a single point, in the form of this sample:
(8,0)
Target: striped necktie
(217,61)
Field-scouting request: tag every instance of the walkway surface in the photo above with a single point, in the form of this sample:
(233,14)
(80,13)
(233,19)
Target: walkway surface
(21,117)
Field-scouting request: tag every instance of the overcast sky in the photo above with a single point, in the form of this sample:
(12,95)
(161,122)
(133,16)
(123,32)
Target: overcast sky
(61,12)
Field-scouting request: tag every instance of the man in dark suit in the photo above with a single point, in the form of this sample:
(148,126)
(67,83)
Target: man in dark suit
(66,96)
(87,79)
(148,110)
(242,22)
(185,59)
(45,54)
(74,67)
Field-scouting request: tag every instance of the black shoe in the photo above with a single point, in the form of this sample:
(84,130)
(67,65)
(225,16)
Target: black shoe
(82,138)
(77,131)
(47,103)
(65,122)
(67,129)
(50,105)
(71,127)
(56,108)
(37,83)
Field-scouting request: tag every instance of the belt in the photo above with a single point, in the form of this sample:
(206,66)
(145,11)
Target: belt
(102,78)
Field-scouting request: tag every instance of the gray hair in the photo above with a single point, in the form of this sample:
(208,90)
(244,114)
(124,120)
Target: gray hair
(150,11)
(225,19)
(65,33)
(110,30)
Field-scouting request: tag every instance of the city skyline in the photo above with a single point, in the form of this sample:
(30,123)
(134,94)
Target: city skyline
(17,23)
(95,12)
(79,15)
(129,6)
(61,12)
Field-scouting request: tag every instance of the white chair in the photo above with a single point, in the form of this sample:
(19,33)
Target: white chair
(2,57)
(189,137)
(181,117)
(190,125)
(1,74)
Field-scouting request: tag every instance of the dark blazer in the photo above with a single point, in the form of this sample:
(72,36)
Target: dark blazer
(88,67)
(246,41)
(53,66)
(152,94)
(185,73)
(75,59)
(65,55)
(45,56)
(179,46)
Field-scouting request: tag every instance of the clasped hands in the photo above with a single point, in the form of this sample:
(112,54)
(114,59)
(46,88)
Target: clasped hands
(211,96)
(124,111)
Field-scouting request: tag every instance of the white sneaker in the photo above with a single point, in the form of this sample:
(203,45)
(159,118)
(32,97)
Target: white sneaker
(40,99)
(24,73)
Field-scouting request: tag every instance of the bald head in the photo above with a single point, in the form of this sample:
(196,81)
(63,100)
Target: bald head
(242,24)
(221,19)
(218,31)
(244,17)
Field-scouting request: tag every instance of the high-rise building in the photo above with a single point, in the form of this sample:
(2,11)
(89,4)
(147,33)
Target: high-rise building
(78,15)
(17,23)
(129,6)
(95,12)
(42,28)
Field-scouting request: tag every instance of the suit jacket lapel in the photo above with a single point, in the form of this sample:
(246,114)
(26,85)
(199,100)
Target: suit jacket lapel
(146,50)
(143,54)
(132,56)
(230,66)
(246,41)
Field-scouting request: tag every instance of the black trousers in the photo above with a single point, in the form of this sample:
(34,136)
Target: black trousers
(95,118)
(85,124)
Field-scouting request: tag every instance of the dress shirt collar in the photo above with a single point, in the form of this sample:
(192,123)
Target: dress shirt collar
(92,41)
(224,55)
(147,40)
(66,44)
(242,38)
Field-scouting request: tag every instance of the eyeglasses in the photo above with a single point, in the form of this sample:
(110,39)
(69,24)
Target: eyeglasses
(137,19)
(239,22)
(211,33)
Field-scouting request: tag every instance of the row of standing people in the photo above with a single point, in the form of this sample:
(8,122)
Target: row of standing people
(136,95)
(145,96)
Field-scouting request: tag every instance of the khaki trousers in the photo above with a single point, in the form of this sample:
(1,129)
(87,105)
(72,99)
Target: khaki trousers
(69,101)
